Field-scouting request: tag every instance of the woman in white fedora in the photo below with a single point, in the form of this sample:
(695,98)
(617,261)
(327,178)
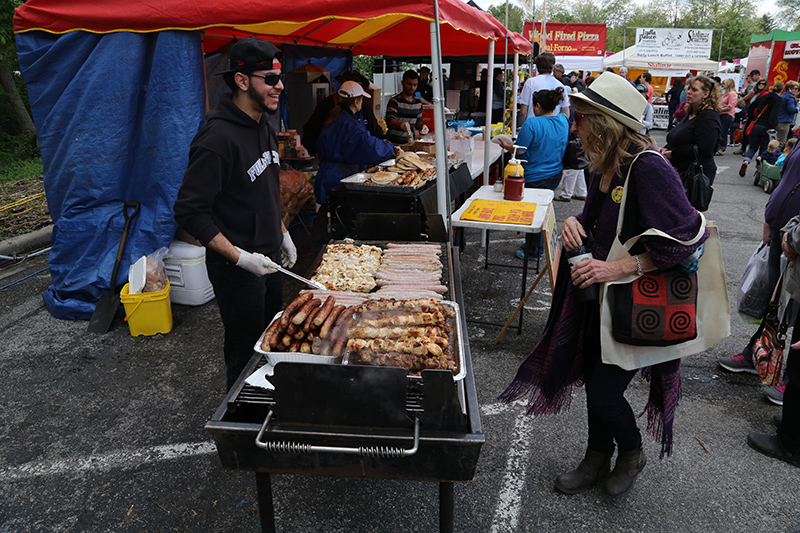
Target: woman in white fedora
(569,351)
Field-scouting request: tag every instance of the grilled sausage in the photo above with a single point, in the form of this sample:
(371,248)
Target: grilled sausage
(286,341)
(271,332)
(325,330)
(339,347)
(324,311)
(305,347)
(302,314)
(340,328)
(293,307)
(294,346)
(309,322)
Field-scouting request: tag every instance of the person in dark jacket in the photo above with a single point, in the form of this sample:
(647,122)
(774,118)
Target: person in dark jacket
(345,145)
(230,200)
(498,96)
(783,204)
(316,121)
(765,121)
(700,128)
(788,111)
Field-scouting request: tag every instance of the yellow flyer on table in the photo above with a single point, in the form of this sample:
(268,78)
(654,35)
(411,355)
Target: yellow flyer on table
(500,211)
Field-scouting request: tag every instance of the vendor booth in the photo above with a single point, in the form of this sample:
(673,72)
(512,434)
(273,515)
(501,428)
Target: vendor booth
(122,142)
(776,55)
(663,70)
(115,126)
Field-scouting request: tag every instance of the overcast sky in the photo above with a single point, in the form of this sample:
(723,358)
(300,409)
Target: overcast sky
(763,6)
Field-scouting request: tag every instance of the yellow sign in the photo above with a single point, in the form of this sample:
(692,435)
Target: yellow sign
(500,211)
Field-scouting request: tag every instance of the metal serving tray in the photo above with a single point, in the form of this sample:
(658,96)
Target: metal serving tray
(457,346)
(273,358)
(356,183)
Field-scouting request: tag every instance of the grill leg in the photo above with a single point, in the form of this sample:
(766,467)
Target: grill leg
(266,510)
(446,507)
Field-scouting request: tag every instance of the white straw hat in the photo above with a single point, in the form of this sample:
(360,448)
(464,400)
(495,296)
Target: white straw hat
(351,89)
(617,98)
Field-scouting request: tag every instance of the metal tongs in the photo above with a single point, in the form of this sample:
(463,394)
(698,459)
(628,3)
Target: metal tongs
(315,284)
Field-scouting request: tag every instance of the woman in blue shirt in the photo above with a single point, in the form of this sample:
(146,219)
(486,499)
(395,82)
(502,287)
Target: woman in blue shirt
(544,137)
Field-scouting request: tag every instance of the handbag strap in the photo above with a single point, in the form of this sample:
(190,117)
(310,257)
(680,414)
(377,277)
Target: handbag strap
(652,231)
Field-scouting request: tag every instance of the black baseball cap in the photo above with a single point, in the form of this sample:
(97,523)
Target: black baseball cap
(251,54)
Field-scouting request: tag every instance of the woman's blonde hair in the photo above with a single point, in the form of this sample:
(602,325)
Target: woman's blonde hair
(729,85)
(712,101)
(791,84)
(609,143)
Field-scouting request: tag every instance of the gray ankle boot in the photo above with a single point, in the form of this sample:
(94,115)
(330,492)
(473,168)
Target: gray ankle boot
(622,478)
(594,467)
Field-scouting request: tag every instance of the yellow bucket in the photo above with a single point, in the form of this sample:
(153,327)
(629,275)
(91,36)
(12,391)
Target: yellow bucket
(147,313)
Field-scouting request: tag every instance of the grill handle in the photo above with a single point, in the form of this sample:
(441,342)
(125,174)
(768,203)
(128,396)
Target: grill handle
(368,451)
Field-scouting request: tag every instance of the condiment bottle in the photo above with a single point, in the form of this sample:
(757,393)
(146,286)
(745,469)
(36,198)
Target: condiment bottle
(575,256)
(513,166)
(514,184)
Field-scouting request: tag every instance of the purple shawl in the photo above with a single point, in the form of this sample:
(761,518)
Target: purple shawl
(557,363)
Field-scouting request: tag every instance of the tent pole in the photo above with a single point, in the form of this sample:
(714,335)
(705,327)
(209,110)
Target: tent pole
(383,85)
(514,95)
(487,135)
(443,178)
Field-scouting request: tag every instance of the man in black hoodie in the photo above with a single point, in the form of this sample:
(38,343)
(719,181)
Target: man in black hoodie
(230,200)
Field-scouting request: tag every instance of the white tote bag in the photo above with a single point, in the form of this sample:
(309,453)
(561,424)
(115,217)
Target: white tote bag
(713,316)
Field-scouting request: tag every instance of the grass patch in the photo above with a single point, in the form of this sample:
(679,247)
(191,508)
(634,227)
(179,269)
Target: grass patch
(21,170)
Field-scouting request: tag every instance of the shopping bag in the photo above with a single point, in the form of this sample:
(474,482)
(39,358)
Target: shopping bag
(768,349)
(712,320)
(753,295)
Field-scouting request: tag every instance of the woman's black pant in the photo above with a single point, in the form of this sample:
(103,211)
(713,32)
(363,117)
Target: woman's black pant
(611,418)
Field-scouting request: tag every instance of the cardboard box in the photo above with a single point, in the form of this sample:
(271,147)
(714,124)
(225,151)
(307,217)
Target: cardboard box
(375,95)
(429,147)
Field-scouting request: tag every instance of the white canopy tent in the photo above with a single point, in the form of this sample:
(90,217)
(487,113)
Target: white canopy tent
(628,58)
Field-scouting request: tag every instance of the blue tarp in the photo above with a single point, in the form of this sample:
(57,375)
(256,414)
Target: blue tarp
(115,115)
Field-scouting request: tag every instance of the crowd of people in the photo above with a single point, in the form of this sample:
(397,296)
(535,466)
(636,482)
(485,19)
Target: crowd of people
(230,202)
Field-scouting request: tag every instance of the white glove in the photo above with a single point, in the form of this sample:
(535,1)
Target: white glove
(407,127)
(288,251)
(256,264)
(424,130)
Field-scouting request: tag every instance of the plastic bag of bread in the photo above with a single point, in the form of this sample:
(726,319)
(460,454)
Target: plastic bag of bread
(155,277)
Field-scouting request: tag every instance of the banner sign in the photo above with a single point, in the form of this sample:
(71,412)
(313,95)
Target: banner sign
(792,50)
(569,39)
(673,42)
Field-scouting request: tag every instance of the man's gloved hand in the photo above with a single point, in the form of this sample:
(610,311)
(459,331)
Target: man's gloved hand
(407,127)
(288,251)
(424,130)
(256,264)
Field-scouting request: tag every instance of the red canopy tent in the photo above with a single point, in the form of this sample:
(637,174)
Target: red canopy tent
(377,27)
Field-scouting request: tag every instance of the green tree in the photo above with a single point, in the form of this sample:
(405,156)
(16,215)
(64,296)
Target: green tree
(9,64)
(516,16)
(789,14)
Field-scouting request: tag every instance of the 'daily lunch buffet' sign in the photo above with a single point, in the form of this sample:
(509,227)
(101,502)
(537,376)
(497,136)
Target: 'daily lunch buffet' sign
(673,42)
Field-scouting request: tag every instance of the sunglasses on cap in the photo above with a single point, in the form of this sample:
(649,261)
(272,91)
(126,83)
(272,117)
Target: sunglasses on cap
(270,78)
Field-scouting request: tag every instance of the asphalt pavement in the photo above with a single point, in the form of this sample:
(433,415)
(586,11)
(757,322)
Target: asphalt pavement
(106,432)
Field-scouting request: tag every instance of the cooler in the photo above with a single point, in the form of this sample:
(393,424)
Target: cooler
(185,266)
